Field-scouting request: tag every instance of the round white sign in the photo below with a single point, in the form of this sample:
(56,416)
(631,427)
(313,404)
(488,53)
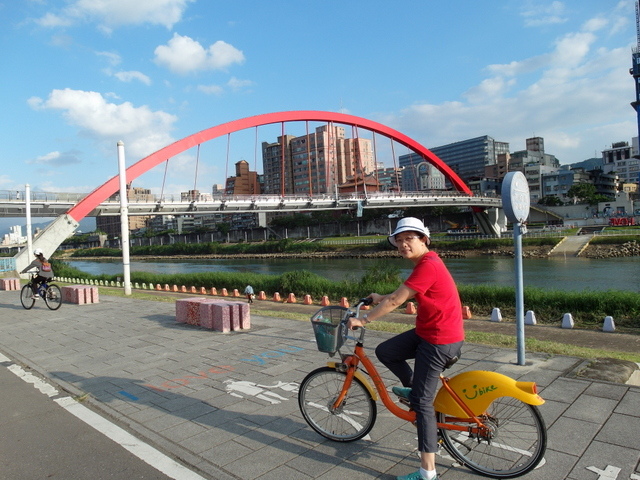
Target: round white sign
(515,197)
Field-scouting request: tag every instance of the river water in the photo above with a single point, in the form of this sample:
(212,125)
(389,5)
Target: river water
(570,274)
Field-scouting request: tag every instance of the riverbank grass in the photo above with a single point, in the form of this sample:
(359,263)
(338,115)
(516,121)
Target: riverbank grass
(483,338)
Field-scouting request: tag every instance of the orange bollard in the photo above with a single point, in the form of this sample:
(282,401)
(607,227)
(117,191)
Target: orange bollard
(307,300)
(214,291)
(158,287)
(183,289)
(236,293)
(193,290)
(166,287)
(262,295)
(325,301)
(276,297)
(466,313)
(344,302)
(411,308)
(203,291)
(224,292)
(175,288)
(291,298)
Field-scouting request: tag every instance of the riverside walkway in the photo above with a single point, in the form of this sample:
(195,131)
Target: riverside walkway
(224,406)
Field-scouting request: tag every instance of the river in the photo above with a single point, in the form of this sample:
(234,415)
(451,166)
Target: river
(571,274)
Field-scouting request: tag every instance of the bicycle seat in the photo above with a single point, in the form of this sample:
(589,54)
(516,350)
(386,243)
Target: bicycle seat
(451,362)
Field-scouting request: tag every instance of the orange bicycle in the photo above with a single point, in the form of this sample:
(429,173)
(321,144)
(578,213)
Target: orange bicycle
(486,421)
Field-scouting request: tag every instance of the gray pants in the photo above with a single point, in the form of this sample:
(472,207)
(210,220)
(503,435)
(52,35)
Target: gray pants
(429,363)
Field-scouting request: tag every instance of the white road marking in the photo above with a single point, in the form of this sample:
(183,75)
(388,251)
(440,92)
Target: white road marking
(143,451)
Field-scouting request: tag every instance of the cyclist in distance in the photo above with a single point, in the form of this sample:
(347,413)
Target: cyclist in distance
(437,337)
(44,271)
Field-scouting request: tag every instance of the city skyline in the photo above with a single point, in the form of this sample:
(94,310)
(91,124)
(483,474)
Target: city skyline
(149,73)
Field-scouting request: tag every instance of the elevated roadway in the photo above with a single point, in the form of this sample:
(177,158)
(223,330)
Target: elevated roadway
(56,204)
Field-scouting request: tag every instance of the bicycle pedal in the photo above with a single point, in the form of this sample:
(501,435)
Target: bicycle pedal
(404,401)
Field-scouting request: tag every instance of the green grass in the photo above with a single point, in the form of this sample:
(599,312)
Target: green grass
(483,338)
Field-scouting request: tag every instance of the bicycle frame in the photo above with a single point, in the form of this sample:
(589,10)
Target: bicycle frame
(448,401)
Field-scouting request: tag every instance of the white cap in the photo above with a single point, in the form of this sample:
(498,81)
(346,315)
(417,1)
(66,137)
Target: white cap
(408,224)
(37,251)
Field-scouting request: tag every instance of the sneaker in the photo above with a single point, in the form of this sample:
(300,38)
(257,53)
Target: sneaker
(402,392)
(35,297)
(415,476)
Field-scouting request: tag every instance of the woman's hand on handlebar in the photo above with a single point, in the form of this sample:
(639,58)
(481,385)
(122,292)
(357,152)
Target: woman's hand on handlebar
(354,323)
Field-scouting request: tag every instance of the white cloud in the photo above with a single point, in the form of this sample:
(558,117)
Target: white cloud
(574,96)
(211,89)
(56,159)
(143,130)
(536,15)
(234,84)
(132,75)
(237,84)
(112,57)
(110,14)
(184,55)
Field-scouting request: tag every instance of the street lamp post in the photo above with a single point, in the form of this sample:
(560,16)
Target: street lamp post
(124,220)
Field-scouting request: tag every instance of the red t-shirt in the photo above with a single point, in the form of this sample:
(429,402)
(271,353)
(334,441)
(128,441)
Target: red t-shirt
(439,319)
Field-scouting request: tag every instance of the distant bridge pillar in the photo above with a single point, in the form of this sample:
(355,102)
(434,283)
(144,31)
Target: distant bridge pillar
(49,240)
(491,221)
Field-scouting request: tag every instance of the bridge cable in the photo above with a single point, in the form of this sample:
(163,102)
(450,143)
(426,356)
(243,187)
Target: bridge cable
(309,159)
(164,178)
(226,168)
(395,165)
(195,180)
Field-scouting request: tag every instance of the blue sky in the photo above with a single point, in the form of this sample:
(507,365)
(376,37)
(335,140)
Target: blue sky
(79,75)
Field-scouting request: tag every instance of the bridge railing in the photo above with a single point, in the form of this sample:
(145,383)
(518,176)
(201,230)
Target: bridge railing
(19,196)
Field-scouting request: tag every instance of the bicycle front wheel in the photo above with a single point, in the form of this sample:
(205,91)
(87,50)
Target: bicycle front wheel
(515,445)
(352,420)
(53,297)
(26,297)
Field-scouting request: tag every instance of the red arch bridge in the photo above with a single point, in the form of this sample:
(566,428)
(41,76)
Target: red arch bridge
(70,211)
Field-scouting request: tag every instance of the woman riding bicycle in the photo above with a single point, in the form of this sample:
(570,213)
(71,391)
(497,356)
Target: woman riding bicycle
(437,338)
(44,271)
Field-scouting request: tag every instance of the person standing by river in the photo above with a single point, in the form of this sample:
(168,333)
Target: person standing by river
(436,339)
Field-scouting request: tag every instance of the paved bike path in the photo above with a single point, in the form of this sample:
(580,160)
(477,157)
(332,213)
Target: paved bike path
(226,406)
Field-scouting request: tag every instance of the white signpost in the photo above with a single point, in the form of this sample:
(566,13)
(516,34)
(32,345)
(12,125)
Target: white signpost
(516,204)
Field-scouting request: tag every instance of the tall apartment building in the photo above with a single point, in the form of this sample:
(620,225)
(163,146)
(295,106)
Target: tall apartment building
(276,165)
(111,224)
(469,158)
(389,179)
(534,154)
(419,175)
(245,181)
(623,160)
(315,163)
(534,163)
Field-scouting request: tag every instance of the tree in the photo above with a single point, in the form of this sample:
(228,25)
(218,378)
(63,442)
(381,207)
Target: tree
(550,201)
(584,192)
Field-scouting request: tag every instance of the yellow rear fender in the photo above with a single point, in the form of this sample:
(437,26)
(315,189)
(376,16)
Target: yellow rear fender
(479,388)
(363,378)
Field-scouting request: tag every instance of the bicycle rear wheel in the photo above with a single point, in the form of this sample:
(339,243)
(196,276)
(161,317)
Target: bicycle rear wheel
(516,445)
(26,295)
(351,421)
(53,297)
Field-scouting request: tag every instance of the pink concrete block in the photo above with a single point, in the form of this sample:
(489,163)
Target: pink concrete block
(188,310)
(70,294)
(91,294)
(9,284)
(245,316)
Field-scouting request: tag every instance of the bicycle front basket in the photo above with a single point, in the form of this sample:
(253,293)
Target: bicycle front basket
(328,328)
